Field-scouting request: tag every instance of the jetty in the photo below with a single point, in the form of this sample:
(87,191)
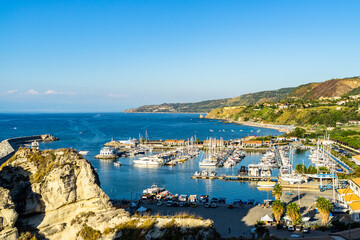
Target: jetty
(237,178)
(9,146)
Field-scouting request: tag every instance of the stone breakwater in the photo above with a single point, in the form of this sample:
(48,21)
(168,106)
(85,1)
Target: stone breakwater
(9,146)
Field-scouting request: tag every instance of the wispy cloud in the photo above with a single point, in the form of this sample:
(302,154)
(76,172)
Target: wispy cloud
(113,95)
(11,91)
(32,92)
(53,92)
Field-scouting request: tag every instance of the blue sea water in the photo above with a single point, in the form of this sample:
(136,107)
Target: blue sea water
(89,131)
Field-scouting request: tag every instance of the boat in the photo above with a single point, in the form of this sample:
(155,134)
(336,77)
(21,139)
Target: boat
(293,178)
(83,152)
(204,173)
(208,162)
(253,170)
(149,161)
(117,164)
(212,174)
(197,173)
(267,184)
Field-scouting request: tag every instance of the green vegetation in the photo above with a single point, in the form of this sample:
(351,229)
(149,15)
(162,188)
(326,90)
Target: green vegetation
(306,92)
(260,229)
(277,191)
(311,169)
(89,233)
(278,210)
(27,236)
(349,138)
(325,207)
(293,211)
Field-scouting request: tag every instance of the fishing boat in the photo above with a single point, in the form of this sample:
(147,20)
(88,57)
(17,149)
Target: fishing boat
(117,164)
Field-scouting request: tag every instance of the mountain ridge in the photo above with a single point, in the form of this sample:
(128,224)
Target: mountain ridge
(314,90)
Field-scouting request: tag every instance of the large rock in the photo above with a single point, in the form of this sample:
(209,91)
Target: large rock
(8,216)
(57,195)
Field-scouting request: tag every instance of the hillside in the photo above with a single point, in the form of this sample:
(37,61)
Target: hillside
(322,115)
(330,88)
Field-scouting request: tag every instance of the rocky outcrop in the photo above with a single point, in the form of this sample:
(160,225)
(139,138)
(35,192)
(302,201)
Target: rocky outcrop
(9,146)
(57,195)
(8,216)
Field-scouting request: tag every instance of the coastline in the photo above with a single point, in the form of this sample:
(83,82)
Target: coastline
(280,128)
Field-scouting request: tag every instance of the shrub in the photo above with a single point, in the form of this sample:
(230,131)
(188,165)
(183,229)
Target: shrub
(88,233)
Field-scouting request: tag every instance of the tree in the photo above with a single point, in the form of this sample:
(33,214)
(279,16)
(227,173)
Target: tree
(325,207)
(293,211)
(278,209)
(277,191)
(300,168)
(260,229)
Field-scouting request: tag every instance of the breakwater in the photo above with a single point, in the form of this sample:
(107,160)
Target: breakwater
(9,146)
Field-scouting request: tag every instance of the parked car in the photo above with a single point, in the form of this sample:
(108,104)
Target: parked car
(213,205)
(159,203)
(230,206)
(298,228)
(291,228)
(169,203)
(181,204)
(306,230)
(207,205)
(175,204)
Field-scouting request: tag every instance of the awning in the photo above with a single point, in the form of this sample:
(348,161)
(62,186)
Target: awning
(267,218)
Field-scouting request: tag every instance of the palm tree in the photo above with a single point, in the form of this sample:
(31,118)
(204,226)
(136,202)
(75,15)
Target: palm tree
(277,191)
(293,211)
(325,207)
(260,229)
(278,209)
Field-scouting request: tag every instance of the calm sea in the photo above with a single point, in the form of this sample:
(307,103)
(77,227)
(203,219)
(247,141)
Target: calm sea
(91,130)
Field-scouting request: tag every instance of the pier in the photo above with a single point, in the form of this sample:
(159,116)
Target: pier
(9,146)
(237,178)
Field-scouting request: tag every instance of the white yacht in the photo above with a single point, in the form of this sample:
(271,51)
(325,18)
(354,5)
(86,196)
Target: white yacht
(210,162)
(149,161)
(253,170)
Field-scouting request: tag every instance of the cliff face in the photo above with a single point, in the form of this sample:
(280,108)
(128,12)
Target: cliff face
(57,195)
(8,216)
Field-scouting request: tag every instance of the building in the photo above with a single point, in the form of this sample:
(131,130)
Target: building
(356,159)
(350,197)
(252,143)
(172,142)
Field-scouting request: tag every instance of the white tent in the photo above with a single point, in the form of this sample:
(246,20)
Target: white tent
(305,219)
(267,218)
(141,209)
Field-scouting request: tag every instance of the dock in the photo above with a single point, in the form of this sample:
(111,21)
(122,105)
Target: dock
(237,178)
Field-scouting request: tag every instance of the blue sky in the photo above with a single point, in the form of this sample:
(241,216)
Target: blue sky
(89,56)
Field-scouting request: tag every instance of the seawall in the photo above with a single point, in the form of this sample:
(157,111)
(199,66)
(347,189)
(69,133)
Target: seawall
(9,146)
